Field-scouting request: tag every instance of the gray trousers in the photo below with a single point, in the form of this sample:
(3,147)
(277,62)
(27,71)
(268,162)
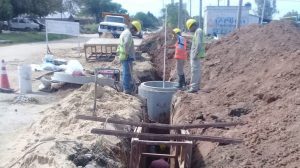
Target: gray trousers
(180,66)
(195,73)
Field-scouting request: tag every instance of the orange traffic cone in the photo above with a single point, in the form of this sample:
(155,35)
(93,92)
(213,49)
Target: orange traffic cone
(4,83)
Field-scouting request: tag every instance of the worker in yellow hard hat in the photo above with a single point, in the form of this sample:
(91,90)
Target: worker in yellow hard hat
(197,52)
(180,56)
(126,53)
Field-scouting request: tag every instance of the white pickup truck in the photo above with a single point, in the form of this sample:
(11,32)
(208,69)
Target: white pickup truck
(115,24)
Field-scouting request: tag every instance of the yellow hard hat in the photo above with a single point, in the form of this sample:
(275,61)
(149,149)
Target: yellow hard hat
(137,25)
(176,30)
(190,22)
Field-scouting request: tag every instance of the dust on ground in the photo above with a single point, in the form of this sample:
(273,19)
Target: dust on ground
(251,75)
(55,134)
(49,142)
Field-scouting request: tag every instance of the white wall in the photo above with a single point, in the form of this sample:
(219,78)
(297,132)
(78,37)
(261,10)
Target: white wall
(222,19)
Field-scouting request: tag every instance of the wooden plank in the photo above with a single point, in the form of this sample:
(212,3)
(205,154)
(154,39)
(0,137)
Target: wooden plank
(167,143)
(166,137)
(158,155)
(157,125)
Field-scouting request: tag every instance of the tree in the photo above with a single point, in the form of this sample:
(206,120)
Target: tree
(270,8)
(5,9)
(148,20)
(248,5)
(44,7)
(96,7)
(71,6)
(291,13)
(35,7)
(173,15)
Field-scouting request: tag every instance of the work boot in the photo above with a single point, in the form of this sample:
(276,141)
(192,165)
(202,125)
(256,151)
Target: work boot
(181,81)
(191,90)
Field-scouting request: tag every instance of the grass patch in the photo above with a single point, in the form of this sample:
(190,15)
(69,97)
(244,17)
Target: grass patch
(89,28)
(28,37)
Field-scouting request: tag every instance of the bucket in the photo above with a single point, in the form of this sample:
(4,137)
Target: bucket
(25,85)
(158,99)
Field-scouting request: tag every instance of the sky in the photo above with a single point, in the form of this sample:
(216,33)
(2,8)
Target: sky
(154,6)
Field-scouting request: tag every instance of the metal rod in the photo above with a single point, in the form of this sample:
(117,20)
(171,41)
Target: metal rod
(238,24)
(157,125)
(180,15)
(200,14)
(165,137)
(95,93)
(190,8)
(263,13)
(165,49)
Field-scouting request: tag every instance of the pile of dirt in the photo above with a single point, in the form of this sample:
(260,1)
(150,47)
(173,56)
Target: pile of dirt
(251,75)
(59,135)
(154,46)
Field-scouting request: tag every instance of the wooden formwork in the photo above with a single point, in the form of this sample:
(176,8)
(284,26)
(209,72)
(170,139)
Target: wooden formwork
(180,154)
(180,142)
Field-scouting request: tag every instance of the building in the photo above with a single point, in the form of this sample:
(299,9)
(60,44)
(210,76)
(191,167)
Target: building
(220,20)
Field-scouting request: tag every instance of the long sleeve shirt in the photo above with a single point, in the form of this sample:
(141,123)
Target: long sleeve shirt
(197,45)
(127,40)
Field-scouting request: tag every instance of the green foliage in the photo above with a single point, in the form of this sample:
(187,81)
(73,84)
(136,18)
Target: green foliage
(90,28)
(291,13)
(148,19)
(270,8)
(44,7)
(172,19)
(71,6)
(12,8)
(96,7)
(26,37)
(5,9)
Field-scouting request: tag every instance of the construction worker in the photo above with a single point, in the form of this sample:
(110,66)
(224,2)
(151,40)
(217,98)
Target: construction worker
(160,163)
(180,56)
(127,55)
(197,53)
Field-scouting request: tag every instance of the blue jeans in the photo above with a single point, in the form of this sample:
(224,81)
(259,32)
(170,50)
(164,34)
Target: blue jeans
(126,75)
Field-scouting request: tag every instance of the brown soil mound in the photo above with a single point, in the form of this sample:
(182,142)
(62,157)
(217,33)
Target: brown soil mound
(252,75)
(154,46)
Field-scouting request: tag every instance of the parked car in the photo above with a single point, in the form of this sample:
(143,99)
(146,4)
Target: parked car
(113,23)
(24,24)
(41,25)
(4,25)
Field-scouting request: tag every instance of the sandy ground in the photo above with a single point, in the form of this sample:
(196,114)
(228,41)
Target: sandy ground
(15,118)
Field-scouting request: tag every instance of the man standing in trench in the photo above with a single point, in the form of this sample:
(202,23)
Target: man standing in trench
(197,53)
(180,56)
(126,53)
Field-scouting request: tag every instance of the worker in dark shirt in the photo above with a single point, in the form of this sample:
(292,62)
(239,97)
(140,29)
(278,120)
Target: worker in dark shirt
(160,163)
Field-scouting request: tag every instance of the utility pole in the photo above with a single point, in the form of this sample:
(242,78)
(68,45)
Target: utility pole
(180,15)
(228,2)
(263,13)
(218,2)
(238,23)
(200,14)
